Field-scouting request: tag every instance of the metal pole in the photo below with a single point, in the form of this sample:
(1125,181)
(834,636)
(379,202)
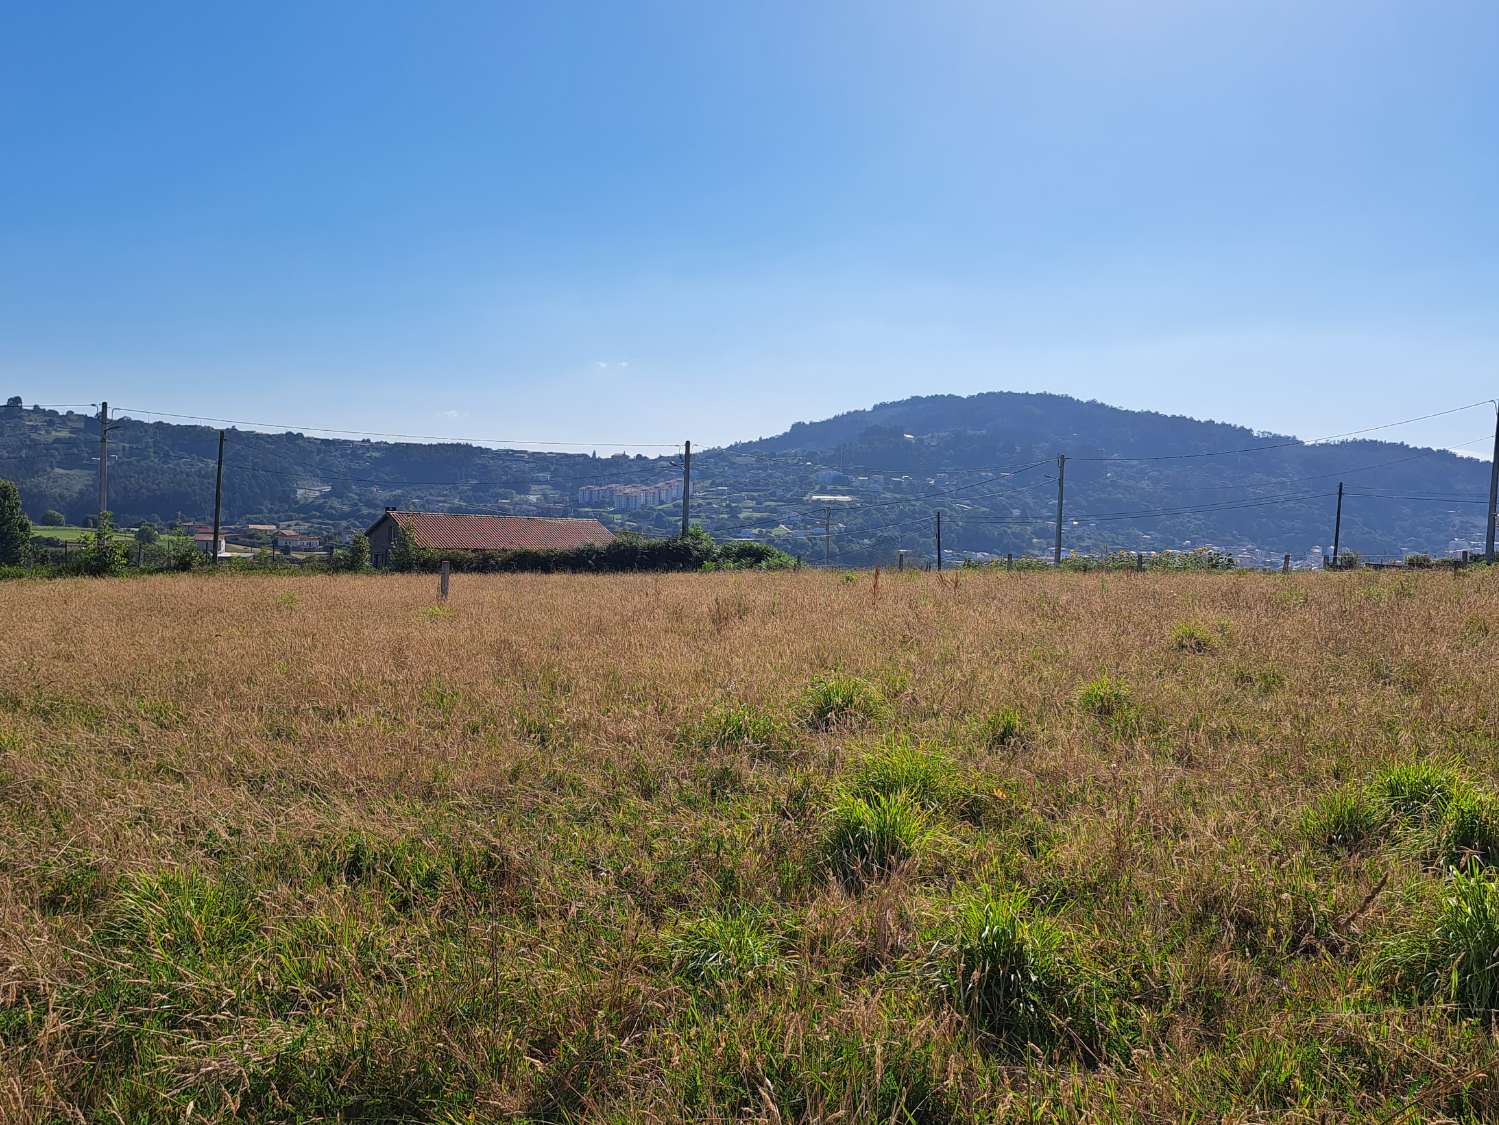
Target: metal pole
(1056,554)
(686,484)
(1337,526)
(218,501)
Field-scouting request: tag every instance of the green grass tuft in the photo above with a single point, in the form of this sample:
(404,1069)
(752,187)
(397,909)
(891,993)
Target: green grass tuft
(1111,702)
(836,700)
(926,775)
(1418,791)
(868,838)
(738,727)
(1187,637)
(734,946)
(1009,972)
(1002,729)
(1448,957)
(1468,836)
(1344,820)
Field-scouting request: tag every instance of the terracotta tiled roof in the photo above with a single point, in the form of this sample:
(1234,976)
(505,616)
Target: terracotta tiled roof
(440,531)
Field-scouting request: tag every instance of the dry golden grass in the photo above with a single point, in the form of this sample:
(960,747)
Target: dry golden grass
(317,848)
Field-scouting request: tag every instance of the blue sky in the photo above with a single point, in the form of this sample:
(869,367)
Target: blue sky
(649,221)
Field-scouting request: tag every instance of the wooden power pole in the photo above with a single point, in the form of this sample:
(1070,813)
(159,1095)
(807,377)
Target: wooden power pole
(103,461)
(686,485)
(1337,526)
(1056,553)
(827,535)
(218,501)
(939,540)
(1488,544)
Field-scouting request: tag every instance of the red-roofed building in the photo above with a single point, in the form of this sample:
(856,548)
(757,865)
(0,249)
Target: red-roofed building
(444,531)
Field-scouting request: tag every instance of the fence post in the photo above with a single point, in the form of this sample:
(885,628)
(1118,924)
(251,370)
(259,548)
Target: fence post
(1285,566)
(442,581)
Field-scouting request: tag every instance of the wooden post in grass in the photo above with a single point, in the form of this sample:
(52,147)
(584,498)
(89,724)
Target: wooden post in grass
(442,580)
(1285,566)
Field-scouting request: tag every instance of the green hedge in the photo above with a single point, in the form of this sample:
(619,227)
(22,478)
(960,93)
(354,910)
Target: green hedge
(627,552)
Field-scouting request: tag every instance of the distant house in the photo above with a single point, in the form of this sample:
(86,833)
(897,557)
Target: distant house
(443,531)
(288,541)
(204,541)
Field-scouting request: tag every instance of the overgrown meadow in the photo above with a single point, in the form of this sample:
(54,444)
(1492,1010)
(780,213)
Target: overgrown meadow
(749,847)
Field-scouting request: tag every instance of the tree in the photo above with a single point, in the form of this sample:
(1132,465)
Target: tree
(103,554)
(14,400)
(146,534)
(53,518)
(15,528)
(358,556)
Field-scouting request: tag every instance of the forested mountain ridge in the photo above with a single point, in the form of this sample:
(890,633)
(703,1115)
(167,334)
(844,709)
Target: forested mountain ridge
(1135,480)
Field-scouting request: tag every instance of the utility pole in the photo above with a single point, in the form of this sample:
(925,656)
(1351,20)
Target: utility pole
(939,540)
(827,535)
(103,461)
(218,501)
(1488,545)
(1337,526)
(1056,554)
(686,484)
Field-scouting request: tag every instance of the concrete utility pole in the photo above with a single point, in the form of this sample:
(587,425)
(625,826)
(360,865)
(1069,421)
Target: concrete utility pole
(939,540)
(103,461)
(1056,554)
(218,501)
(686,484)
(827,535)
(1488,544)
(1337,526)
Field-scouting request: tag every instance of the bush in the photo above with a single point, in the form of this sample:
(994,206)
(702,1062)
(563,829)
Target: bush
(837,699)
(1448,957)
(357,557)
(870,838)
(53,518)
(742,555)
(1010,975)
(1345,819)
(102,554)
(15,528)
(1418,562)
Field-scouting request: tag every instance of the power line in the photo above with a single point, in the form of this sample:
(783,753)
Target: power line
(1434,499)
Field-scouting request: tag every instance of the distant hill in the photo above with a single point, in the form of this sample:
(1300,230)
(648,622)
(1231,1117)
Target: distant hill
(1135,480)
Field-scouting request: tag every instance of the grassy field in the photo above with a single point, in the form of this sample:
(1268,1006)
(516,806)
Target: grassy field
(748,846)
(72,534)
